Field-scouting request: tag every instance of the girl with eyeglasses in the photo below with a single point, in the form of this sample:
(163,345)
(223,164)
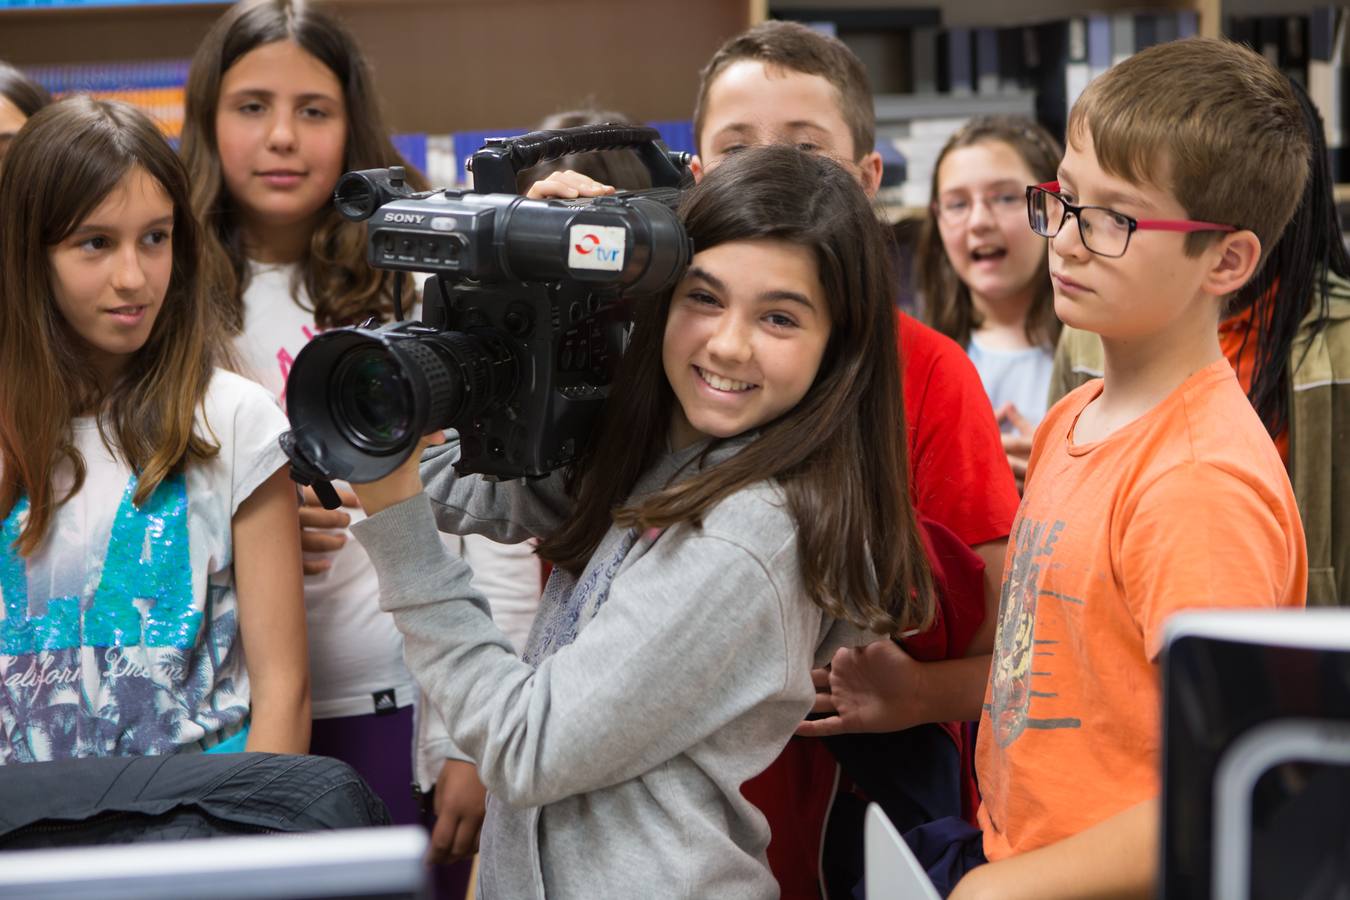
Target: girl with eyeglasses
(982,272)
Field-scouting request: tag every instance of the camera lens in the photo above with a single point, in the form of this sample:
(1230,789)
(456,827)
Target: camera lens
(358,400)
(373,399)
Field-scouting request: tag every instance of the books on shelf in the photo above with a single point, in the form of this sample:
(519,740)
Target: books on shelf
(1314,50)
(156,86)
(960,65)
(76,4)
(1036,69)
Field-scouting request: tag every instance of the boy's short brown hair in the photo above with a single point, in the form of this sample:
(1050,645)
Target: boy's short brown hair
(1209,120)
(796,48)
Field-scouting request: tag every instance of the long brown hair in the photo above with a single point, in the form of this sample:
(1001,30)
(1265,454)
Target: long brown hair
(22,91)
(68,158)
(342,286)
(947,305)
(839,454)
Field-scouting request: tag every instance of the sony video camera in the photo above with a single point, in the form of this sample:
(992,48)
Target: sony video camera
(524,317)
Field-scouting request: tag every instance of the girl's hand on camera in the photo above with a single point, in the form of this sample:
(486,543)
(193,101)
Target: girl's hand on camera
(567,185)
(400,484)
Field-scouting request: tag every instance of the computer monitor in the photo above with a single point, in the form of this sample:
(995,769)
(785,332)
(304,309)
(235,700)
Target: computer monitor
(348,863)
(1256,758)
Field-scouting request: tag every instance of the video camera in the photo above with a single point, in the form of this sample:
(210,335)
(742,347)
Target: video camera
(524,317)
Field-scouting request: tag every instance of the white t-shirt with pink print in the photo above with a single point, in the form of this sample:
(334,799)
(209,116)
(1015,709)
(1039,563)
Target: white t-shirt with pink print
(355,652)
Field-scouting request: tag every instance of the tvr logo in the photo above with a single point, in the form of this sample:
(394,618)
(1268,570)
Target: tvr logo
(597,247)
(590,243)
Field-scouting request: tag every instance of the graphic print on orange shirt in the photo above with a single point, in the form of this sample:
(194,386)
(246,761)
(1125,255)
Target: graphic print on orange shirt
(1015,663)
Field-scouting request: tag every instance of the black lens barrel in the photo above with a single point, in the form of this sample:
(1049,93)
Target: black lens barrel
(366,397)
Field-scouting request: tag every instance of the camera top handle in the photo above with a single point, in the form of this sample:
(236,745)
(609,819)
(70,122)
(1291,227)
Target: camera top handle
(494,167)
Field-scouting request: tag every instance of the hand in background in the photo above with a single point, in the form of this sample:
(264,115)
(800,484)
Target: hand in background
(1016,445)
(317,525)
(567,185)
(461,803)
(872,688)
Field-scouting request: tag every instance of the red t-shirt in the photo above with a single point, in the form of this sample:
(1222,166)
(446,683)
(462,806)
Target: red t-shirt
(959,474)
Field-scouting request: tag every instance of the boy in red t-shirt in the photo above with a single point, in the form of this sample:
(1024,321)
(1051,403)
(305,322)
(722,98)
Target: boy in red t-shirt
(1152,490)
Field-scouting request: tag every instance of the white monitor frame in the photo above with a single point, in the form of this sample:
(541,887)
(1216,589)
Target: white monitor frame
(340,863)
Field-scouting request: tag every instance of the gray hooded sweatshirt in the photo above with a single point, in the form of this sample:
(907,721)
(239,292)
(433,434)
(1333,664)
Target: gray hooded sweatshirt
(674,670)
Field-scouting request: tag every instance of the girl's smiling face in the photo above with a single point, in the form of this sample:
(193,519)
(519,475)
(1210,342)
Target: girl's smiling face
(747,329)
(982,217)
(281,133)
(110,275)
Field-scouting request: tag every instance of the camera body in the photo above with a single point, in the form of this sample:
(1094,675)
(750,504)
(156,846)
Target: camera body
(525,315)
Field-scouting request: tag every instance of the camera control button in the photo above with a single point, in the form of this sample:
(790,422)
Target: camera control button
(443,223)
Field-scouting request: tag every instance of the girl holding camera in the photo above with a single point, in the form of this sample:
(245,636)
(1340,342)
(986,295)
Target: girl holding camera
(280,102)
(742,512)
(149,546)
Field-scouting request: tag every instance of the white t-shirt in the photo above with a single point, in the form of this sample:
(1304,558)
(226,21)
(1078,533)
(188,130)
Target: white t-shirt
(119,636)
(1020,377)
(355,652)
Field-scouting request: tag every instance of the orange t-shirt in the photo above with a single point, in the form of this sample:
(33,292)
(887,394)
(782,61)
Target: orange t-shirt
(1237,338)
(1188,506)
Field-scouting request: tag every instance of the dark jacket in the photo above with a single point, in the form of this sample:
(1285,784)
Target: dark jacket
(118,800)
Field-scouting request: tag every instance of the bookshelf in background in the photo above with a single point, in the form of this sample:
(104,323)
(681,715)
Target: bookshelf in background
(442,65)
(82,4)
(157,87)
(931,76)
(1312,48)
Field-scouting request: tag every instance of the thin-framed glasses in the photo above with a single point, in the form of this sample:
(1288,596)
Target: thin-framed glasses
(1104,231)
(956,208)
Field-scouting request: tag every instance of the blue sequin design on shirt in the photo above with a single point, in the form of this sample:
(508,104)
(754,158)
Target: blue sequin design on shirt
(147,559)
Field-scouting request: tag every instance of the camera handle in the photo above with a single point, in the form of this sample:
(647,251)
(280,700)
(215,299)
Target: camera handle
(494,167)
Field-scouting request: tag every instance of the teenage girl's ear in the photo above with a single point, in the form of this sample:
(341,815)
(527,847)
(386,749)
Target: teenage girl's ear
(696,168)
(1236,257)
(869,173)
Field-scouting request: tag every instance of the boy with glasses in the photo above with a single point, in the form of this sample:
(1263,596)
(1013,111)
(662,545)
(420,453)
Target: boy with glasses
(1149,491)
(1152,490)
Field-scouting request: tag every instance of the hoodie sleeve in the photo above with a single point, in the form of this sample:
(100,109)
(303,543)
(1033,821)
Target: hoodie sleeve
(696,633)
(508,574)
